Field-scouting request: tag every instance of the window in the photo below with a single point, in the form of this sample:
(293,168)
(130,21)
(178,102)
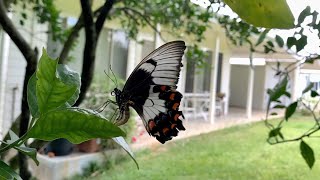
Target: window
(198,79)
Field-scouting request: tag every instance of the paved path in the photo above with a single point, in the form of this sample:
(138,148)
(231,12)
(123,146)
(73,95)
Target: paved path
(199,126)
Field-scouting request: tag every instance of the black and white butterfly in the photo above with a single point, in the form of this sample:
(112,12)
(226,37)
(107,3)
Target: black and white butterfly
(151,91)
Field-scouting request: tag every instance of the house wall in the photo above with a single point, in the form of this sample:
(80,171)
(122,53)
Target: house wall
(13,83)
(258,88)
(238,85)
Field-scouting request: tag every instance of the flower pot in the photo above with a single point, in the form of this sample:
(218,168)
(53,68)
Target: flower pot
(89,146)
(59,147)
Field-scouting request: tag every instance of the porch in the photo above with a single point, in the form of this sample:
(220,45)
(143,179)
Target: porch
(199,125)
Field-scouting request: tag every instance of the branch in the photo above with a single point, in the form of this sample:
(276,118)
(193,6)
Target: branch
(92,31)
(89,49)
(107,6)
(70,40)
(145,18)
(295,139)
(14,34)
(73,36)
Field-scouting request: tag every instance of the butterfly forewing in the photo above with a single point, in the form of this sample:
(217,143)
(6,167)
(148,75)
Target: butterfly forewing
(151,91)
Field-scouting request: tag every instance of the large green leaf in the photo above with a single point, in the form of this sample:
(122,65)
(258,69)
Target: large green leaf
(260,13)
(122,142)
(70,78)
(76,125)
(307,154)
(31,152)
(51,91)
(32,96)
(7,173)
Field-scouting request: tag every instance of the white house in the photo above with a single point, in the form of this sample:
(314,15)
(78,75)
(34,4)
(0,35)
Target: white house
(227,72)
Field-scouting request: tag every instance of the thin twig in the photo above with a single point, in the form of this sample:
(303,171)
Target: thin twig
(146,19)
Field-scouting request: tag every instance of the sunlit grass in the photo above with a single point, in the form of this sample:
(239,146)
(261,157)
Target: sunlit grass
(239,152)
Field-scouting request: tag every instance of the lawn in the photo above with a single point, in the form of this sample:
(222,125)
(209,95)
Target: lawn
(239,152)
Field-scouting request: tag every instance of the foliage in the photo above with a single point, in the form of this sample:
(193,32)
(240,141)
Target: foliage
(45,11)
(177,17)
(52,90)
(295,45)
(264,13)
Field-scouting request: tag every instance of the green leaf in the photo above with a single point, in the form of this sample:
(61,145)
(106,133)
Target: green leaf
(307,153)
(301,43)
(71,78)
(51,91)
(274,114)
(122,142)
(279,106)
(262,36)
(287,94)
(314,93)
(279,41)
(278,90)
(76,125)
(268,14)
(7,173)
(306,12)
(31,152)
(308,88)
(270,43)
(291,41)
(290,110)
(274,132)
(32,96)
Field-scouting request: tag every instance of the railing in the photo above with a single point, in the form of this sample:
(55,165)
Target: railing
(197,105)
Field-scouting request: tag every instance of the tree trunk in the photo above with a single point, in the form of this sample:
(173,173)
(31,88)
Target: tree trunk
(25,114)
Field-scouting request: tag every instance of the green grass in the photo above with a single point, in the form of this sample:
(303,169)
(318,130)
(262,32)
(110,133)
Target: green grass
(237,153)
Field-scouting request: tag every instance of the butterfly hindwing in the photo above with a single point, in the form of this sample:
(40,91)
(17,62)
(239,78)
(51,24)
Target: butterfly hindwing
(151,91)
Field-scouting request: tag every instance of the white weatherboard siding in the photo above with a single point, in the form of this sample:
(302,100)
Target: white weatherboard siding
(13,83)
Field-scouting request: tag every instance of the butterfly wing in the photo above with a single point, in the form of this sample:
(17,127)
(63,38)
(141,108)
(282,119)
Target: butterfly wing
(151,90)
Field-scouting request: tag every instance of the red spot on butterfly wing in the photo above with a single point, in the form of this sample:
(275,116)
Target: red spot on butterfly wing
(175,106)
(172,95)
(176,117)
(165,131)
(151,124)
(163,88)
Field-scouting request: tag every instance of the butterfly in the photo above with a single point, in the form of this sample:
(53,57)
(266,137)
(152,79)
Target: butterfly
(151,91)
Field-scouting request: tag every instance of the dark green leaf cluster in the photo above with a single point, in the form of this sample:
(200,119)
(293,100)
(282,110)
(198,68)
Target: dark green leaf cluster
(52,91)
(46,12)
(176,17)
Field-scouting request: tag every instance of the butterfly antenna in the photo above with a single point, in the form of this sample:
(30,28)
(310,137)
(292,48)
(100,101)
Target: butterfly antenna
(114,82)
(115,78)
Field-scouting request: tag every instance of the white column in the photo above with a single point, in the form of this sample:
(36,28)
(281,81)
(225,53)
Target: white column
(4,71)
(131,61)
(250,91)
(213,84)
(295,84)
(157,38)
